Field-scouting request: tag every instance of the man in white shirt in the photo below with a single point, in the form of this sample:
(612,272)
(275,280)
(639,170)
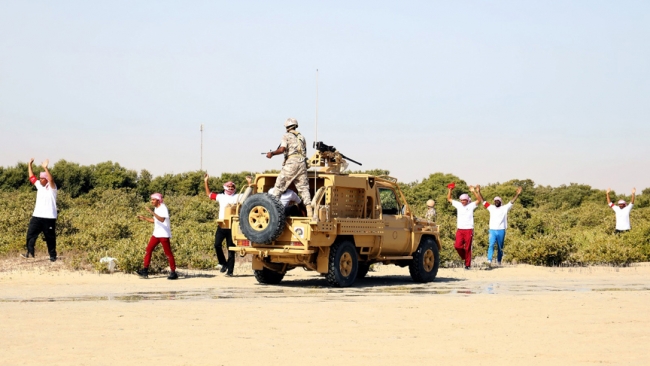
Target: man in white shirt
(498,225)
(228,197)
(290,200)
(162,233)
(622,212)
(465,222)
(45,213)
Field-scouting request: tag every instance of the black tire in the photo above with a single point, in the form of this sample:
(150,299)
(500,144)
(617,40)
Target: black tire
(425,262)
(261,218)
(343,264)
(363,270)
(266,276)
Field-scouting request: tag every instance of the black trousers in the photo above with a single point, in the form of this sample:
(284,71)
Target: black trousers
(39,225)
(219,236)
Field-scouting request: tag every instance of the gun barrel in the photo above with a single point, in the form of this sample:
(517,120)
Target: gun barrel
(352,160)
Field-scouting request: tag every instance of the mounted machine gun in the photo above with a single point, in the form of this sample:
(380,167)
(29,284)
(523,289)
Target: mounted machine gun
(329,159)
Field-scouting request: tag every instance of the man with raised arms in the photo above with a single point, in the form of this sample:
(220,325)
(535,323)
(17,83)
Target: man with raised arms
(622,210)
(465,222)
(45,213)
(498,225)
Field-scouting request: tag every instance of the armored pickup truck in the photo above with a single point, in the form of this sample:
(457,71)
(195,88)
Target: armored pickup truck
(358,220)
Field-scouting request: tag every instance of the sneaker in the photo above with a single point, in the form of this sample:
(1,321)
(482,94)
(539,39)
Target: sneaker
(52,259)
(26,255)
(229,274)
(144,273)
(219,266)
(467,268)
(172,276)
(223,269)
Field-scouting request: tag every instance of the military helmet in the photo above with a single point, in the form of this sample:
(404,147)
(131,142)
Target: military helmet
(291,122)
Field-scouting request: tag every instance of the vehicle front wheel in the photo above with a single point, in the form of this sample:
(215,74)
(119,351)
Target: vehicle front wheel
(343,264)
(266,276)
(425,262)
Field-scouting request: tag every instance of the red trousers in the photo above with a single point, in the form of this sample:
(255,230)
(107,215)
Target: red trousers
(463,245)
(153,242)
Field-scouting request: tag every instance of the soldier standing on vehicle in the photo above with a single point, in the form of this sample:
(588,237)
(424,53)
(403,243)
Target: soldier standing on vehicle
(498,225)
(465,222)
(228,197)
(622,212)
(294,167)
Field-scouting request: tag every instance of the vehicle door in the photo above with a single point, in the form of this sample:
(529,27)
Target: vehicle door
(396,238)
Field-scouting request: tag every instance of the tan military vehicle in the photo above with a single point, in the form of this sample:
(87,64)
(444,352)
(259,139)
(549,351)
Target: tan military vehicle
(358,220)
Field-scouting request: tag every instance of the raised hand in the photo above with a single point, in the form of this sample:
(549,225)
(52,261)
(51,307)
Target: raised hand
(471,188)
(31,161)
(249,179)
(633,190)
(519,189)
(205,179)
(609,190)
(45,163)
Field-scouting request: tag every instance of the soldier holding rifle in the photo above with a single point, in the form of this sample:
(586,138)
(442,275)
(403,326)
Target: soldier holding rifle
(294,167)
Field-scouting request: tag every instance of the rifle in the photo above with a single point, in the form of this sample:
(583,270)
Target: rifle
(272,150)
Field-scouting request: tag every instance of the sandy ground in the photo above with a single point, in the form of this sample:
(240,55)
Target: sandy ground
(513,315)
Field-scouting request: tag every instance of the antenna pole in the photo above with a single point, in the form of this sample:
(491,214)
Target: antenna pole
(201,146)
(316,134)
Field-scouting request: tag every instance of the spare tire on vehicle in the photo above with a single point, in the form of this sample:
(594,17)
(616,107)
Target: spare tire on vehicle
(261,218)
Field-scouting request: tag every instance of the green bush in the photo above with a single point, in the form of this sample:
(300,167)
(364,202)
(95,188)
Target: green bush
(98,205)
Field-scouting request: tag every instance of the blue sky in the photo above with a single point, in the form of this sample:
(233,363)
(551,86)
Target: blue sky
(554,91)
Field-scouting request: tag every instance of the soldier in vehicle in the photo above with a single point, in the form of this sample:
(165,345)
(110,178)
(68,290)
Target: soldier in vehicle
(431,211)
(294,167)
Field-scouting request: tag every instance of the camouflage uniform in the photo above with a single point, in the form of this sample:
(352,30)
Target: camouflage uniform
(294,168)
(431,214)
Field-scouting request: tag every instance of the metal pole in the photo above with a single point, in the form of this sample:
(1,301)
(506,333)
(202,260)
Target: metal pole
(316,134)
(201,146)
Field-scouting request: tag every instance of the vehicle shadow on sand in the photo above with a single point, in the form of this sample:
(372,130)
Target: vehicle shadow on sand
(368,282)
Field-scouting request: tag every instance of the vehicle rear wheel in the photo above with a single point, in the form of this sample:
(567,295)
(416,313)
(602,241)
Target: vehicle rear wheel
(363,270)
(425,262)
(343,264)
(266,276)
(261,218)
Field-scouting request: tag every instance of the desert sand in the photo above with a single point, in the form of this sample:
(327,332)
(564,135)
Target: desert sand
(513,315)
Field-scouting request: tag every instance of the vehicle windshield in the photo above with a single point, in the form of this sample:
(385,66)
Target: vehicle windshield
(389,203)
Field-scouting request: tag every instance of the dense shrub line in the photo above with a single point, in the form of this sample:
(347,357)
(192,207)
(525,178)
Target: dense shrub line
(98,204)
